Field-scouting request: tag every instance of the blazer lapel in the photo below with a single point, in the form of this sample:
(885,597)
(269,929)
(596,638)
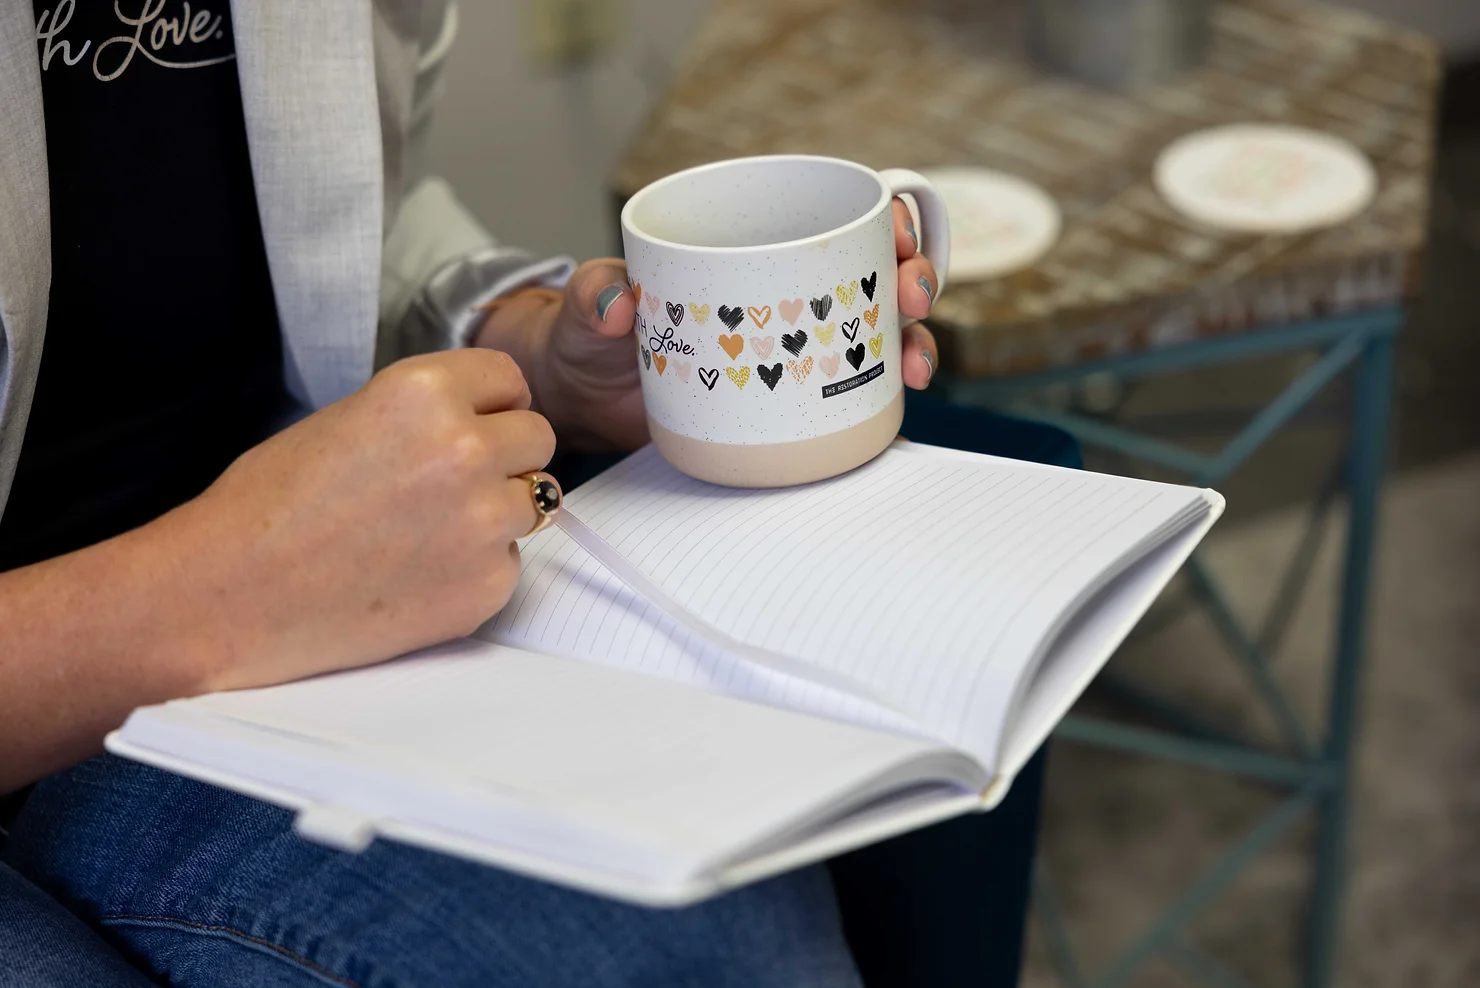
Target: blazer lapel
(308,91)
(25,229)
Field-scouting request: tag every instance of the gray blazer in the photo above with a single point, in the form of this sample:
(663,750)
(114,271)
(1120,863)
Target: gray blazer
(370,257)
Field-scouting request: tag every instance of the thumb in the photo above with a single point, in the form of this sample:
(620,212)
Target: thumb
(599,296)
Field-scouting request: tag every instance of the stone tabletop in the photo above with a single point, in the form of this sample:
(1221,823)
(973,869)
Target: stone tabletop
(927,83)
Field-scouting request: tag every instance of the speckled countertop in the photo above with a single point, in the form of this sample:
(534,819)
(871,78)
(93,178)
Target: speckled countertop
(922,83)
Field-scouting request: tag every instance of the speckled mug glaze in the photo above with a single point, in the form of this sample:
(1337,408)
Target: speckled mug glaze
(768,321)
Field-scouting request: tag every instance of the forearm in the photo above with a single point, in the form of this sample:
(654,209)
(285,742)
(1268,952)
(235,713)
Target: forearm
(89,636)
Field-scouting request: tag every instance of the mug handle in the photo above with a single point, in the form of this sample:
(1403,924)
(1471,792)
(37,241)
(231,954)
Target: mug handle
(935,238)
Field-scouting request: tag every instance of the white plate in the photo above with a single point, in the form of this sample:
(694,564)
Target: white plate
(999,223)
(1265,178)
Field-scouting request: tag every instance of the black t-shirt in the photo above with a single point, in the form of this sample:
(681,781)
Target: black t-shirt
(162,360)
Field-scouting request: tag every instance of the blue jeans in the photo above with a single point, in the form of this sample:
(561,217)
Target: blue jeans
(200,886)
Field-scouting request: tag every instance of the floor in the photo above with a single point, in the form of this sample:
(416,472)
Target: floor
(1123,836)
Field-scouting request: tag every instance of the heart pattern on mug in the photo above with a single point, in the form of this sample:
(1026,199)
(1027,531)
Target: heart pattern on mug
(731,315)
(647,357)
(660,362)
(791,309)
(869,284)
(800,370)
(762,347)
(732,344)
(794,343)
(708,377)
(855,356)
(825,334)
(872,317)
(847,294)
(738,374)
(821,307)
(675,313)
(876,344)
(850,329)
(829,364)
(653,302)
(760,316)
(683,370)
(700,313)
(771,375)
(636,290)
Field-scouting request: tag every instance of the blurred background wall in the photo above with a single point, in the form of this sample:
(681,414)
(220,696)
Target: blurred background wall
(529,146)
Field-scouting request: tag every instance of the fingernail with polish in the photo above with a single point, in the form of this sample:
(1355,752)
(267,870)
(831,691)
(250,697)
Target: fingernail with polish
(909,227)
(930,363)
(605,298)
(924,283)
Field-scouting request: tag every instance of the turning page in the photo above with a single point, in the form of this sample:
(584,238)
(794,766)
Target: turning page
(931,581)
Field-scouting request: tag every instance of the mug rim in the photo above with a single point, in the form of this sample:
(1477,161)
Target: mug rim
(654,187)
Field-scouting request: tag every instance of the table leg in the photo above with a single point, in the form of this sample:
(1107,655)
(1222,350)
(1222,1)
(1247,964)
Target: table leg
(1372,394)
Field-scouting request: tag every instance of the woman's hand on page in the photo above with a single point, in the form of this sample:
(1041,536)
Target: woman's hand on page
(380,524)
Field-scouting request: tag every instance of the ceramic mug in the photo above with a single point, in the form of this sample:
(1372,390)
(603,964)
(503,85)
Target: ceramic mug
(768,324)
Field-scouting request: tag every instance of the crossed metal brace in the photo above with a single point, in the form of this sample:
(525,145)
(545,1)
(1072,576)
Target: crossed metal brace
(1315,771)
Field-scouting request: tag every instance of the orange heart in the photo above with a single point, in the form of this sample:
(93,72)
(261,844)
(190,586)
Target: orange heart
(636,291)
(760,316)
(872,317)
(800,370)
(662,362)
(732,344)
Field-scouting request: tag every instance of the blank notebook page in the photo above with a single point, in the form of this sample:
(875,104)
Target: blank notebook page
(928,579)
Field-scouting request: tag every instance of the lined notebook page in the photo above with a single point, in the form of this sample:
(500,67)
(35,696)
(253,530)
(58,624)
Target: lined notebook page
(929,579)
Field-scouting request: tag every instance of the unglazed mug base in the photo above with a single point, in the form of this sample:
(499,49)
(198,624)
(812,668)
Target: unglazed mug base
(781,464)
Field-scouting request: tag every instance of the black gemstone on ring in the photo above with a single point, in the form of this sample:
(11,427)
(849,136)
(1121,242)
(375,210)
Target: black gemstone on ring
(546,496)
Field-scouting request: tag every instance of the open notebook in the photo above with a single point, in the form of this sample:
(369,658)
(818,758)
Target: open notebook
(694,687)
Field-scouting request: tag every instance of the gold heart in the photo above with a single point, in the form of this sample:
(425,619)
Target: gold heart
(732,344)
(825,334)
(800,370)
(848,294)
(872,317)
(636,292)
(662,362)
(738,374)
(875,347)
(701,313)
(760,316)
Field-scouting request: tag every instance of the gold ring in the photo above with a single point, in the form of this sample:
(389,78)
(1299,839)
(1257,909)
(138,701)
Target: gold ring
(546,496)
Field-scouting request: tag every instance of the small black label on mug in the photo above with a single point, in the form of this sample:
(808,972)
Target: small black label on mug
(857,381)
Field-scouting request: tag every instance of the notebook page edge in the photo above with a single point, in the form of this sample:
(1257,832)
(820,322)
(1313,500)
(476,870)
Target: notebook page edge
(1039,713)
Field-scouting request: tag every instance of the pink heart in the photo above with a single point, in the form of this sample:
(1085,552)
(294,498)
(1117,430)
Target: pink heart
(762,347)
(683,370)
(790,310)
(829,364)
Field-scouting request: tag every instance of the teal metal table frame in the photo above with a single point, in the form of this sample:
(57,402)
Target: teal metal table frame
(1315,772)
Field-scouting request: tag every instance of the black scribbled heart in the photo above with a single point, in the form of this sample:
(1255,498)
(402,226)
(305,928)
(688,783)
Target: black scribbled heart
(850,330)
(822,306)
(675,312)
(731,316)
(794,342)
(709,377)
(772,374)
(869,284)
(647,357)
(855,356)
